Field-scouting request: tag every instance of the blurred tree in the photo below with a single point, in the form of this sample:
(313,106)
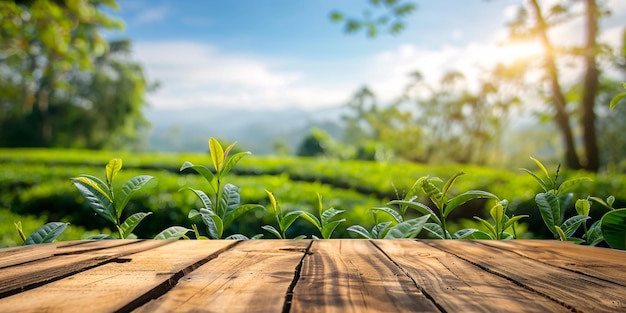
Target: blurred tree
(316,143)
(385,14)
(62,83)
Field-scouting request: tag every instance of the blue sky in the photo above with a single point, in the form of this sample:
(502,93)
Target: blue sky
(287,53)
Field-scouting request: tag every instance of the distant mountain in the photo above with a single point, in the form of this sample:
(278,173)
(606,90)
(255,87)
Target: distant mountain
(255,130)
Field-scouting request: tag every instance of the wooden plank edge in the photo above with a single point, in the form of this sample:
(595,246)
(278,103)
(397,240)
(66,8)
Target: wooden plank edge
(167,285)
(98,261)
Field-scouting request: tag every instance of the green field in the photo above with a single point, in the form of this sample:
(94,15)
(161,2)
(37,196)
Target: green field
(35,188)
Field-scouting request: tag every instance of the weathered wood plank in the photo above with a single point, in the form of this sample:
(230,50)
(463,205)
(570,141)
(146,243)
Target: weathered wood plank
(118,286)
(253,277)
(459,286)
(597,262)
(67,262)
(354,276)
(573,290)
(22,254)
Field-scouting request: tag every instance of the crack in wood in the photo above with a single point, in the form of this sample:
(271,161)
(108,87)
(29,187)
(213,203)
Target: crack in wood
(296,278)
(407,274)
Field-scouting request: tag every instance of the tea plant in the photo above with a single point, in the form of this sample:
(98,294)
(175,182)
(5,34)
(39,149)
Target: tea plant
(502,222)
(617,98)
(443,204)
(325,223)
(223,204)
(395,229)
(103,200)
(611,227)
(283,220)
(553,202)
(44,234)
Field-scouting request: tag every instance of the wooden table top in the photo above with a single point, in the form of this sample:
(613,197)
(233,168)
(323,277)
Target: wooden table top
(312,276)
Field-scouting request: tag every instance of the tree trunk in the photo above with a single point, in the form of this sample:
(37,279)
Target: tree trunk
(558,100)
(590,89)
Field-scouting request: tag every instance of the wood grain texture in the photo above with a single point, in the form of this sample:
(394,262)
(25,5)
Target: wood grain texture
(253,277)
(23,254)
(66,262)
(354,276)
(116,286)
(597,262)
(573,290)
(455,284)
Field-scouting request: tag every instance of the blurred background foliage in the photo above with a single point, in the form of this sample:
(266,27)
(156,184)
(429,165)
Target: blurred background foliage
(64,86)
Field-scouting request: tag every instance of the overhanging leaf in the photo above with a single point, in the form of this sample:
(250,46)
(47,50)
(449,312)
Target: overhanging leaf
(234,214)
(407,229)
(231,162)
(202,170)
(464,233)
(419,207)
(613,226)
(329,214)
(391,212)
(288,219)
(273,231)
(450,182)
(435,229)
(230,200)
(568,184)
(46,233)
(97,184)
(617,99)
(206,201)
(570,226)
(329,228)
(312,219)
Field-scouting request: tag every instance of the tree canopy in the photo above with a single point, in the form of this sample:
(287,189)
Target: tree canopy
(61,83)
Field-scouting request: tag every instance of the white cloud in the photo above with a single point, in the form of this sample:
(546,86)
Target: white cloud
(194,74)
(151,15)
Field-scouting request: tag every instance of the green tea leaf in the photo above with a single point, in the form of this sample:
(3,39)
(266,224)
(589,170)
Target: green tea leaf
(232,215)
(481,235)
(464,233)
(419,207)
(98,201)
(613,226)
(435,229)
(391,212)
(288,219)
(541,182)
(570,226)
(561,233)
(465,197)
(312,219)
(329,228)
(172,233)
(380,229)
(360,231)
(594,234)
(550,210)
(230,200)
(101,237)
(582,207)
(237,237)
(617,99)
(230,163)
(206,201)
(46,233)
(433,193)
(217,155)
(512,221)
(407,229)
(491,228)
(272,230)
(329,214)
(214,225)
(131,222)
(129,188)
(568,184)
(97,184)
(543,168)
(450,182)
(202,170)
(112,168)
(273,203)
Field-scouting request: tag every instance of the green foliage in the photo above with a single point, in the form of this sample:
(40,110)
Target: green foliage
(284,220)
(45,234)
(101,197)
(61,83)
(501,223)
(443,204)
(618,97)
(324,221)
(613,226)
(386,14)
(222,206)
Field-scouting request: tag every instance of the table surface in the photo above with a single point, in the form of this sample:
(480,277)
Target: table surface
(312,276)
